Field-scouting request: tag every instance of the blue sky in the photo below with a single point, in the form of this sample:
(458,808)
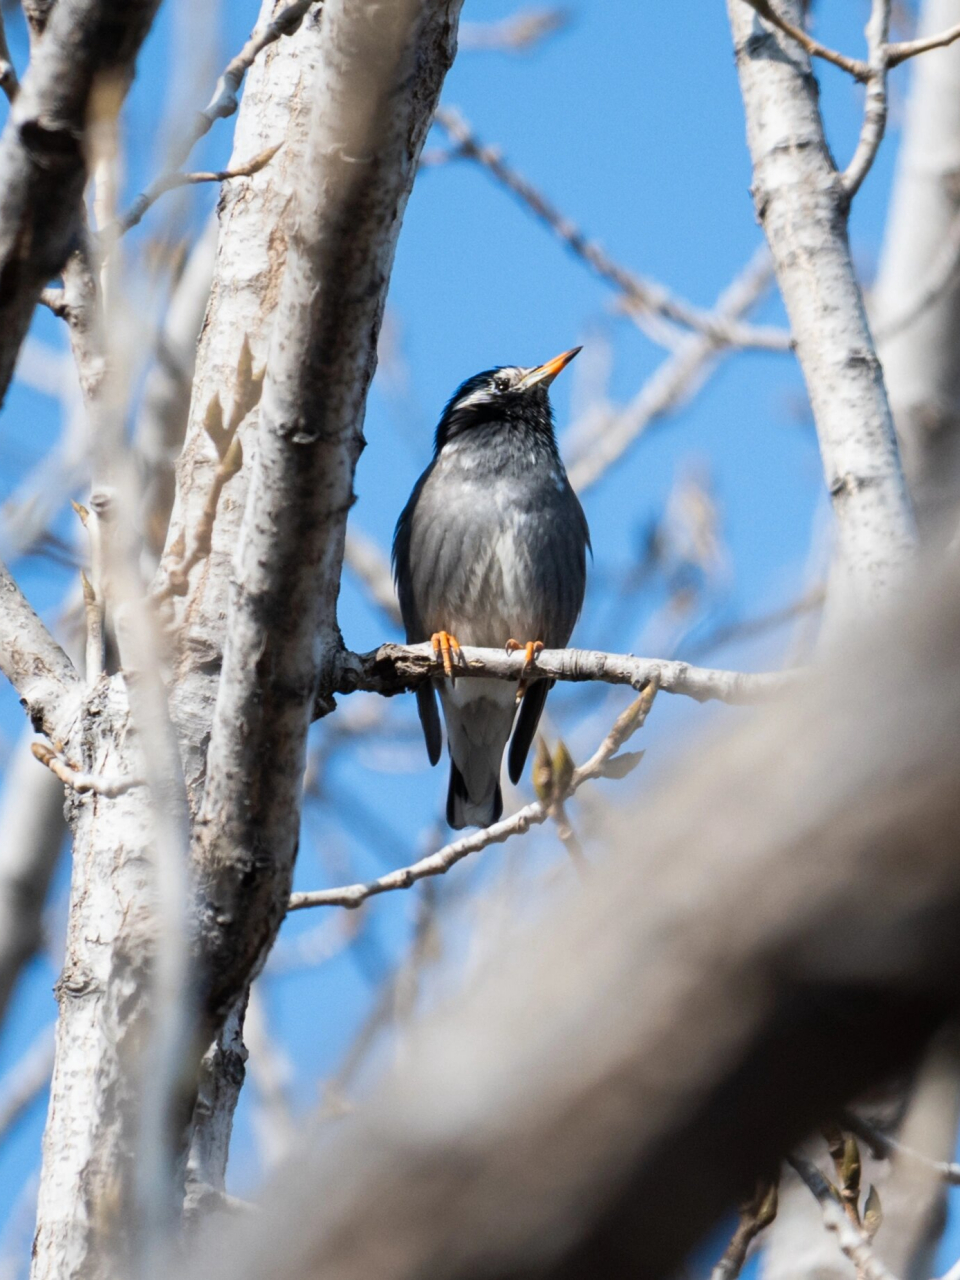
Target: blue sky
(630,121)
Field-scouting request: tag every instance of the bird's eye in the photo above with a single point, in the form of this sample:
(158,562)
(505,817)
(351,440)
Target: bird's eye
(501,384)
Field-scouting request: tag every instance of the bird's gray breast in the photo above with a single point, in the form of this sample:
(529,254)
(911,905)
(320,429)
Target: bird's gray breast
(495,554)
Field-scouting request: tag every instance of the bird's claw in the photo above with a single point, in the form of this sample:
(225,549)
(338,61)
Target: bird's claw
(531,649)
(447,647)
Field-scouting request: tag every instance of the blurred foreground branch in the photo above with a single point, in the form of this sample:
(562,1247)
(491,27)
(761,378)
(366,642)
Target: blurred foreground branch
(776,930)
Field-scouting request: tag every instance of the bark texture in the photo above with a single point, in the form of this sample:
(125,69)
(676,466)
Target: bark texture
(802,205)
(255,216)
(919,277)
(380,72)
(42,164)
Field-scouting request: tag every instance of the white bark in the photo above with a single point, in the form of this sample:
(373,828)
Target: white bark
(921,373)
(802,206)
(86,1219)
(162,420)
(395,668)
(920,359)
(32,834)
(35,665)
(379,77)
(255,215)
(42,163)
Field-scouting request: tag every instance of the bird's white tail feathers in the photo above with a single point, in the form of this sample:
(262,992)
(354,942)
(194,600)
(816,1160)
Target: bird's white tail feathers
(479,716)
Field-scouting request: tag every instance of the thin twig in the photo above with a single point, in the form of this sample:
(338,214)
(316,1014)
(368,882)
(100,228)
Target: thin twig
(672,384)
(367,562)
(531,815)
(893,54)
(904,49)
(223,104)
(176,179)
(396,668)
(516,34)
(644,295)
(77,780)
(875,107)
(755,1216)
(852,1241)
(884,1147)
(855,66)
(750,628)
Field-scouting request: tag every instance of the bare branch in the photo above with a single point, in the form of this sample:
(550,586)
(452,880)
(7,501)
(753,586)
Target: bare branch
(623,1050)
(893,54)
(855,66)
(34,663)
(395,668)
(518,33)
(42,165)
(645,295)
(31,820)
(672,384)
(850,1238)
(174,180)
(897,53)
(884,1146)
(77,780)
(223,104)
(875,107)
(365,559)
(531,815)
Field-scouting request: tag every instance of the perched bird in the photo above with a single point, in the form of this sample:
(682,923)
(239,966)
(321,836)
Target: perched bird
(491,546)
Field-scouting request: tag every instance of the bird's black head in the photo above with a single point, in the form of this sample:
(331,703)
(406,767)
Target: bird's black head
(507,397)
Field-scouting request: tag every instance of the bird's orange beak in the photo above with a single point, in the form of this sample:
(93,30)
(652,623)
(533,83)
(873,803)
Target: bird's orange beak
(546,373)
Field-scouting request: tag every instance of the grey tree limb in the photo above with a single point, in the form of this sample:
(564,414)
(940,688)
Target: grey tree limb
(397,668)
(775,930)
(379,76)
(42,165)
(802,205)
(33,662)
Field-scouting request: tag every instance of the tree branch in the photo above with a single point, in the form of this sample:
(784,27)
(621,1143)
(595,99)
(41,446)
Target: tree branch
(851,1240)
(672,384)
(379,79)
(397,668)
(644,295)
(801,203)
(42,165)
(34,663)
(772,933)
(437,864)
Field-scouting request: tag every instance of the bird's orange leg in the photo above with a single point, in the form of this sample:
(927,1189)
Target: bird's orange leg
(531,649)
(448,647)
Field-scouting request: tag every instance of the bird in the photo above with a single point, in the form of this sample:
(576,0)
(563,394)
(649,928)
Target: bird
(491,545)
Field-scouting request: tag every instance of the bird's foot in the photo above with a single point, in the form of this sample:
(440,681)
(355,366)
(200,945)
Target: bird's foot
(447,647)
(531,649)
